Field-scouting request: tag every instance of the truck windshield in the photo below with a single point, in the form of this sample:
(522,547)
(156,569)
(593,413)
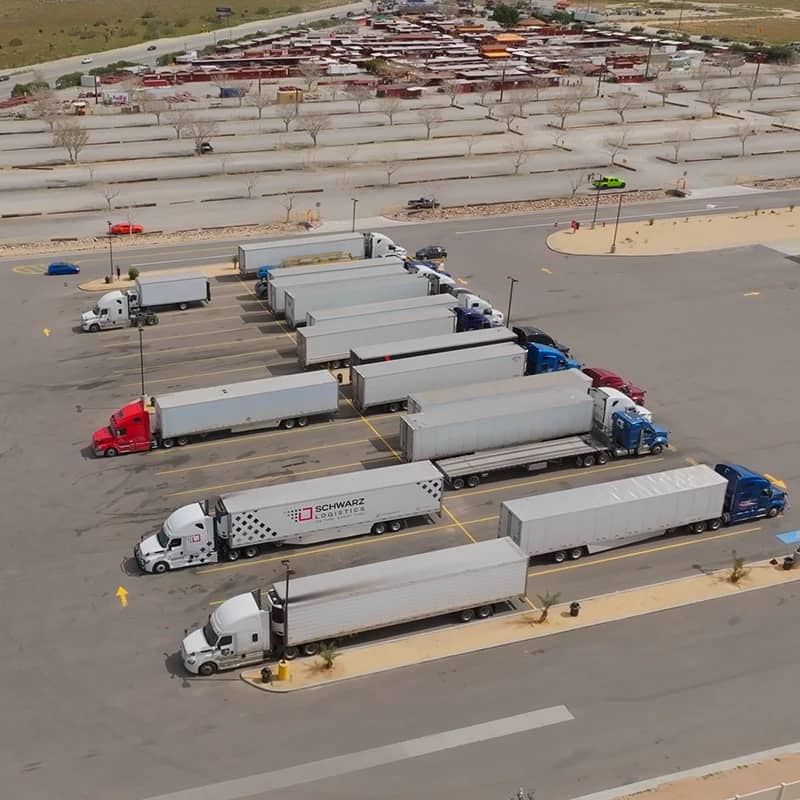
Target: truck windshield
(96,311)
(162,537)
(210,634)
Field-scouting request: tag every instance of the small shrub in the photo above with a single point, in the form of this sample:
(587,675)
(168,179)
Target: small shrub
(133,273)
(738,569)
(791,207)
(328,654)
(651,222)
(235,260)
(546,601)
(107,279)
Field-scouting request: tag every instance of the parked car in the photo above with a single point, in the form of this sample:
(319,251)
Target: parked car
(5,77)
(126,227)
(433,252)
(151,47)
(87,60)
(62,268)
(422,203)
(608,182)
(205,147)
(527,334)
(604,377)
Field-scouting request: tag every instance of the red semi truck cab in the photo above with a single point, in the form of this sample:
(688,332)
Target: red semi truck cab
(128,431)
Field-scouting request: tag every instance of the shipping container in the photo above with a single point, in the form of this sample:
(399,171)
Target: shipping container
(387,384)
(346,314)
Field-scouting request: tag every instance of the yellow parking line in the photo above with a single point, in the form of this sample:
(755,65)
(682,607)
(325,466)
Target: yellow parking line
(355,542)
(195,375)
(196,334)
(208,345)
(179,470)
(264,306)
(658,549)
(458,523)
(249,354)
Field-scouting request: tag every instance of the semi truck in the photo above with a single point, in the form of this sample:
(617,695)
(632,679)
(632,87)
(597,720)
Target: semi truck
(543,358)
(345,314)
(277,286)
(590,519)
(302,299)
(177,418)
(125,307)
(318,346)
(304,512)
(321,249)
(407,348)
(487,423)
(467,582)
(386,384)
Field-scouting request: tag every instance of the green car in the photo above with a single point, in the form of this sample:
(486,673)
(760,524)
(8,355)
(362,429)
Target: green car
(609,182)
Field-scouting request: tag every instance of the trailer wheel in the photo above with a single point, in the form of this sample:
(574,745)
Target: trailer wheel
(110,452)
(182,441)
(657,449)
(311,649)
(151,319)
(714,524)
(287,424)
(167,443)
(698,527)
(232,555)
(395,525)
(251,551)
(378,528)
(94,328)
(576,553)
(160,567)
(393,407)
(473,481)
(467,615)
(183,306)
(290,653)
(589,461)
(603,457)
(301,422)
(207,669)
(772,513)
(484,612)
(457,483)
(559,557)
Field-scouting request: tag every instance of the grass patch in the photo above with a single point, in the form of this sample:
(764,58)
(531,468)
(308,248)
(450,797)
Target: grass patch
(32,31)
(775,30)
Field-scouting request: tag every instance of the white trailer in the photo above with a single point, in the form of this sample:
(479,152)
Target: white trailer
(277,286)
(468,581)
(317,346)
(591,519)
(351,291)
(387,384)
(319,249)
(345,314)
(304,512)
(407,348)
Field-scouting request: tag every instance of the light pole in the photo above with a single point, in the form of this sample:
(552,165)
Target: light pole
(355,203)
(289,573)
(140,326)
(616,225)
(647,66)
(510,298)
(596,203)
(110,252)
(503,80)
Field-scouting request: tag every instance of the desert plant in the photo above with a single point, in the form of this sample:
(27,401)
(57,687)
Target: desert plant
(546,602)
(133,273)
(651,222)
(738,569)
(328,654)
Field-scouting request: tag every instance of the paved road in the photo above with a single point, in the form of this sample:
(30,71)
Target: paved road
(95,700)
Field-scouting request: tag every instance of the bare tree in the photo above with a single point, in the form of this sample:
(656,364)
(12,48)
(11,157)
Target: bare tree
(749,83)
(251,182)
(429,117)
(390,166)
(744,131)
(155,106)
(240,89)
(46,106)
(314,124)
(730,62)
(521,99)
(617,143)
(452,89)
(287,114)
(519,157)
(201,130)
(536,87)
(109,193)
(180,121)
(359,94)
(287,201)
(391,106)
(665,87)
(483,89)
(677,141)
(470,144)
(621,103)
(562,107)
(580,93)
(783,69)
(714,96)
(506,116)
(260,102)
(575,181)
(703,75)
(72,136)
(311,74)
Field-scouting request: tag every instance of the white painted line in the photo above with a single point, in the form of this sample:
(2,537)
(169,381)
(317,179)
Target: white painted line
(374,757)
(205,257)
(697,772)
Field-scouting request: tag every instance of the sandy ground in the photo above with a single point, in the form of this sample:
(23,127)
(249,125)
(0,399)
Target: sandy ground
(502,630)
(674,235)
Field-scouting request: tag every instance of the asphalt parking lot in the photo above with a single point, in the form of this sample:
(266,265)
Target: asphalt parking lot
(710,336)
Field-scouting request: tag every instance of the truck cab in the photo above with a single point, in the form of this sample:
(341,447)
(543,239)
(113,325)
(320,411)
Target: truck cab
(634,434)
(441,282)
(527,334)
(112,310)
(237,633)
(471,301)
(543,358)
(608,401)
(470,319)
(128,431)
(750,495)
(185,539)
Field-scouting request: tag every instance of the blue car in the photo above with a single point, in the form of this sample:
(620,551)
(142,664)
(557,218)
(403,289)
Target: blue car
(62,268)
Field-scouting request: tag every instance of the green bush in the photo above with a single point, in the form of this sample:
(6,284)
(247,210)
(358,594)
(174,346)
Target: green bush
(133,273)
(70,79)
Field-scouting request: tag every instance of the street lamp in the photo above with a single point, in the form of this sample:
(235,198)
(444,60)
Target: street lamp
(140,326)
(616,225)
(510,297)
(355,203)
(503,80)
(289,573)
(110,252)
(596,204)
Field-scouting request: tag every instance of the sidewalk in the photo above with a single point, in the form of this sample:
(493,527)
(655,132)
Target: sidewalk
(211,270)
(510,629)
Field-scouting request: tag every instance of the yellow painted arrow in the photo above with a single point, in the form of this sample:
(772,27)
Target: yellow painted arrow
(122,593)
(46,331)
(775,480)
(546,271)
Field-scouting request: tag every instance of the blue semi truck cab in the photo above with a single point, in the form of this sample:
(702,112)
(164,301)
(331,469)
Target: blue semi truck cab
(543,358)
(750,495)
(632,435)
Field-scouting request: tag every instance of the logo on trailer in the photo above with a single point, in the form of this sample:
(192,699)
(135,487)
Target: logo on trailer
(301,514)
(337,509)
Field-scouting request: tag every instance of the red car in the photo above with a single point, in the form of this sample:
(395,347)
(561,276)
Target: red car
(604,377)
(126,227)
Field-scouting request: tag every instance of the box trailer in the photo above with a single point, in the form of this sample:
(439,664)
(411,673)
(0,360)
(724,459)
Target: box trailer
(468,581)
(317,346)
(177,418)
(425,401)
(304,512)
(276,287)
(387,384)
(349,292)
(313,249)
(419,346)
(572,522)
(345,314)
(490,422)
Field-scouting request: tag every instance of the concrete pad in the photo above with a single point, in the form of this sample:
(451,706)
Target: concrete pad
(406,651)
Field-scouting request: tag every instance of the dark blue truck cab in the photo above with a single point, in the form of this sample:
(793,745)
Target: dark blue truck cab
(749,495)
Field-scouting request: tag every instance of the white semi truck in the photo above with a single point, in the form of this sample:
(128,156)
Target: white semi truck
(468,581)
(151,293)
(304,512)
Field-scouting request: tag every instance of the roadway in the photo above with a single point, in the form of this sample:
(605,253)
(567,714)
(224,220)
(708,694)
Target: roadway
(682,327)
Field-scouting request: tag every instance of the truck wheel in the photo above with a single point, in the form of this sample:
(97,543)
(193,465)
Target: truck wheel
(111,452)
(302,422)
(393,407)
(657,449)
(94,327)
(378,528)
(772,513)
(167,443)
(151,319)
(467,615)
(698,527)
(603,458)
(207,669)
(726,518)
(576,553)
(473,481)
(160,567)
(559,557)
(395,525)
(457,483)
(484,612)
(233,555)
(714,524)
(251,551)
(183,306)
(183,441)
(290,653)
(311,649)
(287,424)
(589,461)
